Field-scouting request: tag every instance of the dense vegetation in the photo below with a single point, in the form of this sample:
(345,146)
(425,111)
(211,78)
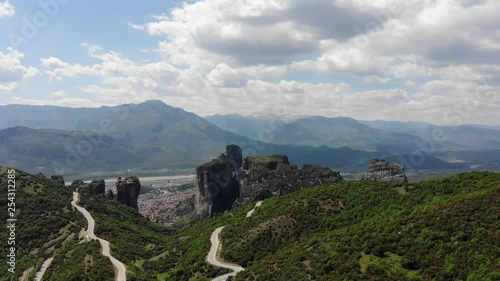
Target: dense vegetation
(445,229)
(438,229)
(80,262)
(47,226)
(152,252)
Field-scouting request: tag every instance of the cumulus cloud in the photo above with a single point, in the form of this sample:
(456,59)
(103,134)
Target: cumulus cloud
(12,71)
(59,95)
(7,9)
(374,79)
(226,56)
(66,102)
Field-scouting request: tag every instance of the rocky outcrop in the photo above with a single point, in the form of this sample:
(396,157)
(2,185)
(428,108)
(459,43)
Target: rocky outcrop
(75,184)
(58,178)
(234,155)
(96,187)
(277,177)
(128,190)
(270,162)
(109,194)
(226,182)
(217,183)
(381,170)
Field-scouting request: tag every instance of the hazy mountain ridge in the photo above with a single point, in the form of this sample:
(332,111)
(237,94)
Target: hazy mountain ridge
(392,136)
(145,138)
(152,137)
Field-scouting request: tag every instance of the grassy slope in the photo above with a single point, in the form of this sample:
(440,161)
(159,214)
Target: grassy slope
(443,229)
(48,226)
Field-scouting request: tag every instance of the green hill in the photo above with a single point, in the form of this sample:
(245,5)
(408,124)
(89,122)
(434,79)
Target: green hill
(440,229)
(47,226)
(443,229)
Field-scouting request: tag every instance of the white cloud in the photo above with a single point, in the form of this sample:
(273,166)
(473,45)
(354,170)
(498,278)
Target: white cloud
(12,71)
(59,95)
(374,79)
(223,56)
(224,76)
(67,102)
(345,60)
(7,9)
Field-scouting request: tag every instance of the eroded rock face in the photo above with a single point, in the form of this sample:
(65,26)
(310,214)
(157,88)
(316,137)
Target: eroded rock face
(225,182)
(217,183)
(96,187)
(109,194)
(234,155)
(58,178)
(128,190)
(74,185)
(269,162)
(277,177)
(381,170)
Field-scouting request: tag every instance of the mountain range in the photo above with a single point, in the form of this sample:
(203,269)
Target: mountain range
(153,138)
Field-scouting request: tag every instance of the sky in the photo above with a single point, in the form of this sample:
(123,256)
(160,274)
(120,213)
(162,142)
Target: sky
(434,61)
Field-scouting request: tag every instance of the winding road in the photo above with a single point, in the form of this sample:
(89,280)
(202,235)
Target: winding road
(118,265)
(212,254)
(41,272)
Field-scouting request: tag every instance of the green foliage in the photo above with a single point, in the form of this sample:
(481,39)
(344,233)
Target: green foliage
(45,220)
(444,229)
(75,262)
(440,229)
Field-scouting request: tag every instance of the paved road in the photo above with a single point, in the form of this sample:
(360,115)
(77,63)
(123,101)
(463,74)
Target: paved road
(250,213)
(212,254)
(42,270)
(90,235)
(212,257)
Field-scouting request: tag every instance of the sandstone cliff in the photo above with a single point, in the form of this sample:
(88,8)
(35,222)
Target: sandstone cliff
(228,181)
(128,190)
(96,187)
(217,183)
(263,176)
(381,170)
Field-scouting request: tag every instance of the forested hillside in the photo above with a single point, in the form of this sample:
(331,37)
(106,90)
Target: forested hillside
(440,229)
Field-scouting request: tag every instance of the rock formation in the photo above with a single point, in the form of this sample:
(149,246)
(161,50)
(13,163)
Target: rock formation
(128,190)
(262,176)
(381,170)
(109,194)
(75,184)
(217,183)
(96,187)
(226,182)
(58,178)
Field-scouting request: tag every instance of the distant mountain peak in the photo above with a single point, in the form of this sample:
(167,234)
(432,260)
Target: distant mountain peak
(153,102)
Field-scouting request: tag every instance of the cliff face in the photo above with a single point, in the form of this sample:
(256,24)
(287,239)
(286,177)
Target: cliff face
(128,190)
(381,170)
(58,178)
(217,183)
(228,181)
(273,175)
(96,187)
